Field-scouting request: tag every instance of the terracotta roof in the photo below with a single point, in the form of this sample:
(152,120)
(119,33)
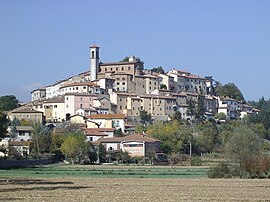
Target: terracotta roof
(81,84)
(94,46)
(106,116)
(39,89)
(19,143)
(129,138)
(24,128)
(117,63)
(99,129)
(27,110)
(59,99)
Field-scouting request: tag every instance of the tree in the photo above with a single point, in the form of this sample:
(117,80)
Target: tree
(191,109)
(229,90)
(207,138)
(41,139)
(220,116)
(140,128)
(163,86)
(200,109)
(118,133)
(75,147)
(145,117)
(243,145)
(177,116)
(3,124)
(158,70)
(101,153)
(92,153)
(8,102)
(14,123)
(174,137)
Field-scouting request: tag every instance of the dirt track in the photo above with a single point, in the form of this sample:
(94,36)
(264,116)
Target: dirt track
(128,189)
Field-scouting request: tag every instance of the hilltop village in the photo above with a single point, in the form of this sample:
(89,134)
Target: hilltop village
(111,96)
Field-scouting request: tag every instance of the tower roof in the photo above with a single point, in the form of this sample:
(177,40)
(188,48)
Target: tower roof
(94,46)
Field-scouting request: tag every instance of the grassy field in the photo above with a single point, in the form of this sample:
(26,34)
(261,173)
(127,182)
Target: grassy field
(125,183)
(108,171)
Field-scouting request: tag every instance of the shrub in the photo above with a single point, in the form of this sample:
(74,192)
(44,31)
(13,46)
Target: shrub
(223,170)
(196,161)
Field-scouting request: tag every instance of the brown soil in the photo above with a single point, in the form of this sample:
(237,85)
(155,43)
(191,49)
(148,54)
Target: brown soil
(130,189)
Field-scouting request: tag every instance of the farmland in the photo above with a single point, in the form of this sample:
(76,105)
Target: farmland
(124,183)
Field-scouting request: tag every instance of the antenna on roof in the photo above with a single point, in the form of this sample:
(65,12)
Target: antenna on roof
(94,43)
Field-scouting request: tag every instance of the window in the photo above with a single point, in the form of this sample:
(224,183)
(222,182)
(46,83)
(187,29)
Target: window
(122,68)
(55,106)
(93,54)
(128,68)
(123,83)
(123,79)
(84,87)
(66,106)
(67,98)
(81,106)
(120,107)
(105,69)
(116,68)
(77,88)
(117,83)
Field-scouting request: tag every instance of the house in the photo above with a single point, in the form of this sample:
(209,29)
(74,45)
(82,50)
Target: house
(28,114)
(109,120)
(38,94)
(83,120)
(94,134)
(136,145)
(75,101)
(54,109)
(228,106)
(21,146)
(23,133)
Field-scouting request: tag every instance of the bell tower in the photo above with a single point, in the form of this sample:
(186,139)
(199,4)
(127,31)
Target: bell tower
(94,61)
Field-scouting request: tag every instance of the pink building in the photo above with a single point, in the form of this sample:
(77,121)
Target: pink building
(75,101)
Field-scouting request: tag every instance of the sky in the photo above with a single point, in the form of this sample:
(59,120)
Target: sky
(45,41)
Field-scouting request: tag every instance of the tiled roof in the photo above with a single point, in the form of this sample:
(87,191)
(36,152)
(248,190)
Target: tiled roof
(26,110)
(81,84)
(59,99)
(19,143)
(117,63)
(106,116)
(24,128)
(129,138)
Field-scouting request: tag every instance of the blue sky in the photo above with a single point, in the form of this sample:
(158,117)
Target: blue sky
(45,41)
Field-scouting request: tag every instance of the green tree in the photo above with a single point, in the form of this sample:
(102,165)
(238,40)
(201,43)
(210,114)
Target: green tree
(118,133)
(191,109)
(41,139)
(101,153)
(3,124)
(177,116)
(140,128)
(230,90)
(220,116)
(8,102)
(163,86)
(200,109)
(243,145)
(174,136)
(92,153)
(145,117)
(158,70)
(207,138)
(75,147)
